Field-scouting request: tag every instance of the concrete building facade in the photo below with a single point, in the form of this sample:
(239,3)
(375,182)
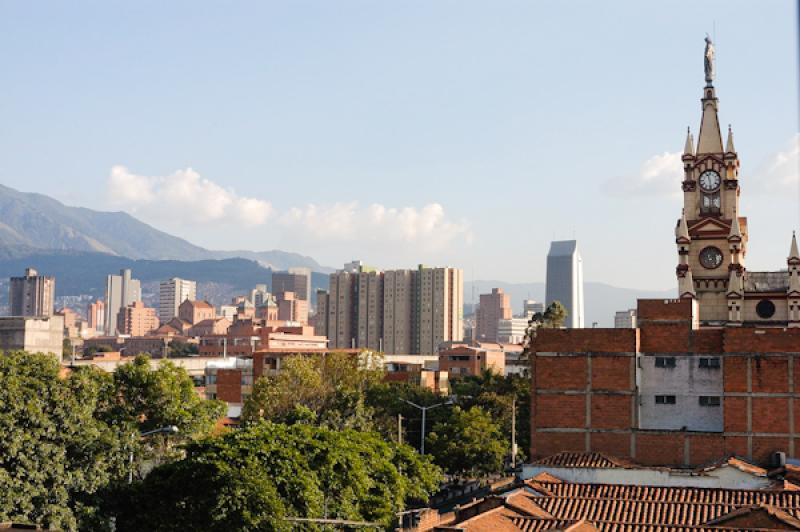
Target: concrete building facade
(171,294)
(42,334)
(137,320)
(625,319)
(296,280)
(492,308)
(32,294)
(565,280)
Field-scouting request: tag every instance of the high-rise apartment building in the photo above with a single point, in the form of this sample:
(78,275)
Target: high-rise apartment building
(397,311)
(290,308)
(32,294)
(259,295)
(136,319)
(565,280)
(121,291)
(493,307)
(296,280)
(171,294)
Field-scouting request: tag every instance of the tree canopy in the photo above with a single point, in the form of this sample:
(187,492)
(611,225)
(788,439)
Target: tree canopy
(469,443)
(256,477)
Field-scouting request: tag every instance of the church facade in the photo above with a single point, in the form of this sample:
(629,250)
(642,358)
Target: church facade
(712,373)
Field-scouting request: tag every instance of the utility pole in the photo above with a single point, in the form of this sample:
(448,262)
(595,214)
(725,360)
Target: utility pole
(424,410)
(514,433)
(400,429)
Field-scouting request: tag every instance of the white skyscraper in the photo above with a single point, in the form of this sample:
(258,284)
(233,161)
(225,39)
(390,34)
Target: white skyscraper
(565,280)
(171,294)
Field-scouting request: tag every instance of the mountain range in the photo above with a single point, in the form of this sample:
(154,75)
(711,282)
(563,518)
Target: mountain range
(34,223)
(81,246)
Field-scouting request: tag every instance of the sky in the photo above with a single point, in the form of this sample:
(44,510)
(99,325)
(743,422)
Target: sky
(458,133)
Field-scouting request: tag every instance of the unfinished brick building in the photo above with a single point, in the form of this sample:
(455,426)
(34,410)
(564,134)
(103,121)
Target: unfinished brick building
(708,374)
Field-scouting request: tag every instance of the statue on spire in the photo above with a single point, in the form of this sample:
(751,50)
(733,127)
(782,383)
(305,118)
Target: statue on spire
(709,62)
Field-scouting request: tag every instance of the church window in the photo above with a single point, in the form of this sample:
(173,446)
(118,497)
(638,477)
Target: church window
(711,257)
(765,309)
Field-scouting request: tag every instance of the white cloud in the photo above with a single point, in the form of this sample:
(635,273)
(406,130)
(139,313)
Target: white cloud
(779,173)
(428,226)
(186,199)
(660,175)
(183,196)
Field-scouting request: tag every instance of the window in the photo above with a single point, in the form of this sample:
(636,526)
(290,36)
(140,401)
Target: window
(211,396)
(665,362)
(710,204)
(709,363)
(665,399)
(709,400)
(211,379)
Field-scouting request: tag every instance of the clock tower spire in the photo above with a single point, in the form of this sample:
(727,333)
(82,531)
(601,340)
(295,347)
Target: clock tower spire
(711,237)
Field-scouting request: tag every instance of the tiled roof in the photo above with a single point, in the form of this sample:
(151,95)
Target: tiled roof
(584,460)
(738,463)
(779,498)
(533,524)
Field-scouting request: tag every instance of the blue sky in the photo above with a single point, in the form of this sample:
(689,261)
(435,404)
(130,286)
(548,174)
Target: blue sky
(445,132)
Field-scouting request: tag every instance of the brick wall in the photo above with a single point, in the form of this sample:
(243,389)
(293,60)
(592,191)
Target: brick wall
(561,372)
(663,309)
(753,340)
(612,373)
(586,340)
(229,385)
(563,411)
(611,411)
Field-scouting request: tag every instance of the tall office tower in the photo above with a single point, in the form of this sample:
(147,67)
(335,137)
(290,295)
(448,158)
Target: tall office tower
(121,291)
(531,307)
(398,309)
(440,307)
(96,314)
(171,294)
(296,280)
(32,294)
(342,310)
(565,280)
(370,310)
(305,272)
(493,308)
(259,295)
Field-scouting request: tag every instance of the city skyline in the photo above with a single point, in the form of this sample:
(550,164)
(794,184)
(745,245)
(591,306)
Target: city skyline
(141,125)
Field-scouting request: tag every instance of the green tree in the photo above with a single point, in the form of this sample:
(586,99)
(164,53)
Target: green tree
(330,387)
(148,399)
(252,479)
(55,454)
(468,444)
(555,315)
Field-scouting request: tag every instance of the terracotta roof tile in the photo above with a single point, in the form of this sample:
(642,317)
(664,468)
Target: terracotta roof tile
(585,460)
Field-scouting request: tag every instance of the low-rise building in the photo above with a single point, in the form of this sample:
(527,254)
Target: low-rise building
(462,360)
(194,311)
(137,320)
(512,330)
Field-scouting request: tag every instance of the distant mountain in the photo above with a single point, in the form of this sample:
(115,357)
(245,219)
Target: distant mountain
(34,223)
(601,300)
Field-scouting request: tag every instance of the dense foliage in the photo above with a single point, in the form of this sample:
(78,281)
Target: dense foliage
(254,478)
(65,440)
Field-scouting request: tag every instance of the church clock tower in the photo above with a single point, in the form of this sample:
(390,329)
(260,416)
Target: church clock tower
(711,236)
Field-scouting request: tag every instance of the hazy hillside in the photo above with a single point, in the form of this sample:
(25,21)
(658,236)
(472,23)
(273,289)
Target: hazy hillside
(601,301)
(35,222)
(85,273)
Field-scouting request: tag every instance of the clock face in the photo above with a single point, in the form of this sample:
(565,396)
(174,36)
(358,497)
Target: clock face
(710,257)
(709,180)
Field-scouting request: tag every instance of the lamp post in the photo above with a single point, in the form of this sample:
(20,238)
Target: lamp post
(424,410)
(169,429)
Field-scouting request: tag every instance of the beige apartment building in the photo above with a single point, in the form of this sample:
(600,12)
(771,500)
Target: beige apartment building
(137,320)
(493,307)
(397,311)
(32,294)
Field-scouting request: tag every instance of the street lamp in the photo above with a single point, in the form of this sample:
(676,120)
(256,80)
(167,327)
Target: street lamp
(169,429)
(424,410)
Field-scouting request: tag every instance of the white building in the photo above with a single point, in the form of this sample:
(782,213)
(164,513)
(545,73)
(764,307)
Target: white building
(511,331)
(171,294)
(121,291)
(531,307)
(41,334)
(625,319)
(565,280)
